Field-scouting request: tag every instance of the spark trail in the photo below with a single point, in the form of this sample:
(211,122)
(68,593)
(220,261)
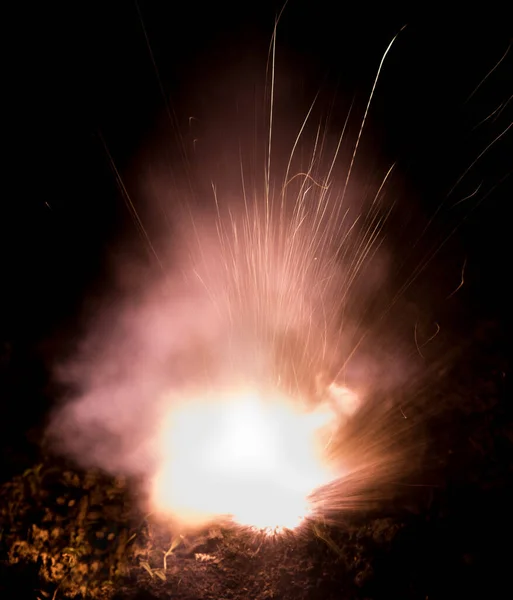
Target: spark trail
(229,384)
(280,271)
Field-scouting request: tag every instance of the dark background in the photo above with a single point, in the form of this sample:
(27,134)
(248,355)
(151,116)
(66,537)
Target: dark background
(83,73)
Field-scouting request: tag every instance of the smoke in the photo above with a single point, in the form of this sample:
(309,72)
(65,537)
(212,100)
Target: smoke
(121,372)
(273,283)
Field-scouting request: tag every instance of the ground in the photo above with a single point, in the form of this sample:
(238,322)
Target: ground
(70,533)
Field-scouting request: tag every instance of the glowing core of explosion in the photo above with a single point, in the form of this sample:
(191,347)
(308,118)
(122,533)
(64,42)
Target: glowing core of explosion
(256,461)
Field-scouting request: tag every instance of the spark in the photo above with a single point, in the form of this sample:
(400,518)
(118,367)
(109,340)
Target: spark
(469,196)
(168,106)
(479,156)
(488,74)
(462,281)
(130,205)
(349,171)
(423,264)
(495,113)
(432,337)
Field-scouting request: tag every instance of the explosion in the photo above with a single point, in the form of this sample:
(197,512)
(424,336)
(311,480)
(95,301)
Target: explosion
(227,385)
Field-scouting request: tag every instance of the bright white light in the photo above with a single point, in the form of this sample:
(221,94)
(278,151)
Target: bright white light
(238,455)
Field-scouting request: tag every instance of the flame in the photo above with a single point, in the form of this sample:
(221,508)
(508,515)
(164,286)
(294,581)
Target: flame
(242,455)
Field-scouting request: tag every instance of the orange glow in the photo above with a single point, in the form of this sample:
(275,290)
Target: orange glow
(238,455)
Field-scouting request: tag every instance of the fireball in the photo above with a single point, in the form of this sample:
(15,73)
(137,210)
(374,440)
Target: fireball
(242,455)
